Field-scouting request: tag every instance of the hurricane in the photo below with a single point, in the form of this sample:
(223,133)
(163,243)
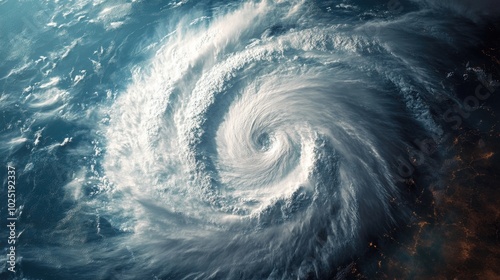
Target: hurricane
(224,140)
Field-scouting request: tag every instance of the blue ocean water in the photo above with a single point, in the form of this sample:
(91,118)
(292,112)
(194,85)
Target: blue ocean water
(221,139)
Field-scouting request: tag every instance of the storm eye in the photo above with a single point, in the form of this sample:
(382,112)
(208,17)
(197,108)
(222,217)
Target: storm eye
(264,141)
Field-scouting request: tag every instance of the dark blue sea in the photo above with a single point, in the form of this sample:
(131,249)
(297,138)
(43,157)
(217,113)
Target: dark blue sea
(249,139)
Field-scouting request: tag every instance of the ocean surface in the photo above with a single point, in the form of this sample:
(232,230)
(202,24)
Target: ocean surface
(231,139)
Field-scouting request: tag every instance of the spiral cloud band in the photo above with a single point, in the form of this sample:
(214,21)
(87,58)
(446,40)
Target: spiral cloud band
(241,139)
(257,139)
